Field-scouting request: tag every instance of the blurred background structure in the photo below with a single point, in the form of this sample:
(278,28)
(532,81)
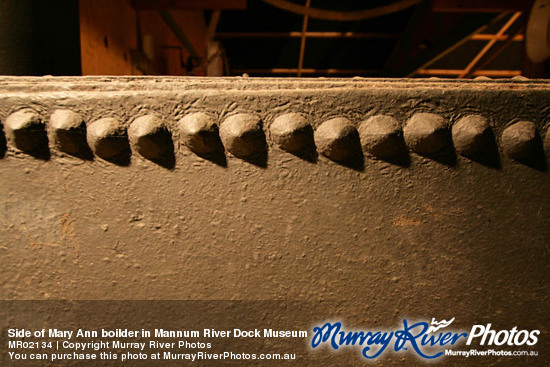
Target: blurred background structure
(304,38)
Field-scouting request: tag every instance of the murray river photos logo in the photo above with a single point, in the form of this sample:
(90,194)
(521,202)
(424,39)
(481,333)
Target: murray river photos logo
(428,341)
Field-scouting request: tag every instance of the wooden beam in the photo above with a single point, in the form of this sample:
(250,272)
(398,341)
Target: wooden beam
(105,46)
(305,71)
(429,36)
(349,35)
(504,37)
(453,46)
(490,44)
(303,42)
(189,4)
(477,6)
(211,31)
(178,32)
(457,72)
(516,29)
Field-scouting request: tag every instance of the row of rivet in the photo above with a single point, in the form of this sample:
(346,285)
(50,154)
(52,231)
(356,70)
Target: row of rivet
(242,135)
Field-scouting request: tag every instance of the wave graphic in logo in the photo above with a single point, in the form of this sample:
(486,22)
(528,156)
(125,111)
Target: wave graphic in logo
(439,325)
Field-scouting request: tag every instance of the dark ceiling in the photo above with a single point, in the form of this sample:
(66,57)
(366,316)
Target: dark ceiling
(264,40)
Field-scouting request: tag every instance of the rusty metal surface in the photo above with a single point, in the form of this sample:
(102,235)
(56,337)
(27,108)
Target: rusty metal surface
(207,189)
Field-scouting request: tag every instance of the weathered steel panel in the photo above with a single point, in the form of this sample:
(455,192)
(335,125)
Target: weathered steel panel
(384,198)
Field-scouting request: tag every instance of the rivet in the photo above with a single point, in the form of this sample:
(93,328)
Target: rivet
(199,132)
(519,141)
(26,131)
(291,132)
(426,133)
(381,136)
(336,139)
(520,78)
(107,139)
(68,132)
(150,138)
(471,135)
(242,135)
